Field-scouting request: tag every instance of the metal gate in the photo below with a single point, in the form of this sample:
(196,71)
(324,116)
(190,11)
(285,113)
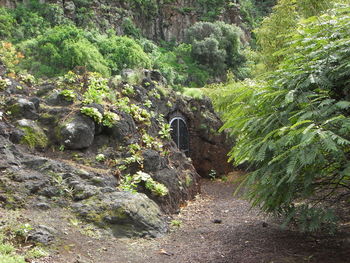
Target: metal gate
(179,134)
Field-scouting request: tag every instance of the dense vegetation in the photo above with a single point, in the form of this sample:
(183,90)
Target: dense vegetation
(54,42)
(290,118)
(292,124)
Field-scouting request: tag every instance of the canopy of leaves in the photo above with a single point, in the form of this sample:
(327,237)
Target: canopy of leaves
(293,127)
(216,46)
(60,49)
(274,32)
(122,52)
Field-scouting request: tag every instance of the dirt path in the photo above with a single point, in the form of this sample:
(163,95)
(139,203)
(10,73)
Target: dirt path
(215,228)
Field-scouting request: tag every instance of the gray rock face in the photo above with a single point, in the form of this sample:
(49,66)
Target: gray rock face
(78,133)
(24,108)
(42,234)
(56,99)
(122,128)
(127,214)
(152,160)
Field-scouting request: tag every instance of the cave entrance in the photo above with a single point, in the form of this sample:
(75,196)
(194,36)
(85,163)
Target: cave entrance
(179,134)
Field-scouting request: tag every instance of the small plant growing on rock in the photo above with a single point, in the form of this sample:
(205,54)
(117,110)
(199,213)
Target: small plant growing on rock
(93,113)
(27,79)
(123,104)
(130,183)
(135,158)
(110,119)
(4,83)
(176,223)
(68,95)
(148,103)
(140,115)
(154,93)
(212,174)
(70,77)
(36,252)
(128,90)
(148,140)
(165,130)
(100,157)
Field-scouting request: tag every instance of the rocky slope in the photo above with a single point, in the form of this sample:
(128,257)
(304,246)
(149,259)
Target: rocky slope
(102,149)
(156,19)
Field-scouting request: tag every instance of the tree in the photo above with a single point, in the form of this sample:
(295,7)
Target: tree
(274,32)
(216,46)
(293,127)
(61,49)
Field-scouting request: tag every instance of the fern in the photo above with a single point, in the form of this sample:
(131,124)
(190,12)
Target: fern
(293,126)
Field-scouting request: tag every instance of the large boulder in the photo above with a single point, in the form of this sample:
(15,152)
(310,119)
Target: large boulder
(126,213)
(24,108)
(33,135)
(77,133)
(122,129)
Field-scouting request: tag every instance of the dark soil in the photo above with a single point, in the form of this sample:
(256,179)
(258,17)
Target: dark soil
(215,228)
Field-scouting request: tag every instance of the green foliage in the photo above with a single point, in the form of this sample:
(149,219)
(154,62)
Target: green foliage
(274,33)
(36,252)
(196,93)
(100,157)
(293,127)
(69,95)
(93,113)
(147,8)
(97,90)
(34,137)
(176,223)
(61,49)
(165,130)
(7,23)
(110,119)
(11,259)
(6,248)
(216,46)
(130,29)
(122,52)
(210,9)
(253,11)
(130,183)
(9,56)
(178,66)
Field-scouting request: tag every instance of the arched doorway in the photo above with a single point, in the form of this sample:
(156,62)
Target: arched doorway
(179,134)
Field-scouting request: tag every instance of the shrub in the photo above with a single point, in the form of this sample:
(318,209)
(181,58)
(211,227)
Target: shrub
(293,127)
(7,24)
(92,113)
(61,49)
(122,52)
(216,46)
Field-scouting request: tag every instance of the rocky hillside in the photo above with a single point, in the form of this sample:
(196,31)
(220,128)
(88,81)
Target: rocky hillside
(157,19)
(101,148)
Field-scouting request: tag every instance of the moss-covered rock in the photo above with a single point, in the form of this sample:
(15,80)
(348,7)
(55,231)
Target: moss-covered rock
(33,136)
(127,214)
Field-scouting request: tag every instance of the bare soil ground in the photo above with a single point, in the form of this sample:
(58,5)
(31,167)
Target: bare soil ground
(215,228)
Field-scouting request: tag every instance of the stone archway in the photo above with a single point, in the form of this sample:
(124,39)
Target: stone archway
(180,134)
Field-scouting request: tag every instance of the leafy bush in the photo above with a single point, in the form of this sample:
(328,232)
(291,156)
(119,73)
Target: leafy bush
(61,49)
(30,23)
(216,46)
(10,56)
(7,24)
(273,34)
(122,52)
(178,66)
(93,113)
(11,259)
(293,128)
(130,183)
